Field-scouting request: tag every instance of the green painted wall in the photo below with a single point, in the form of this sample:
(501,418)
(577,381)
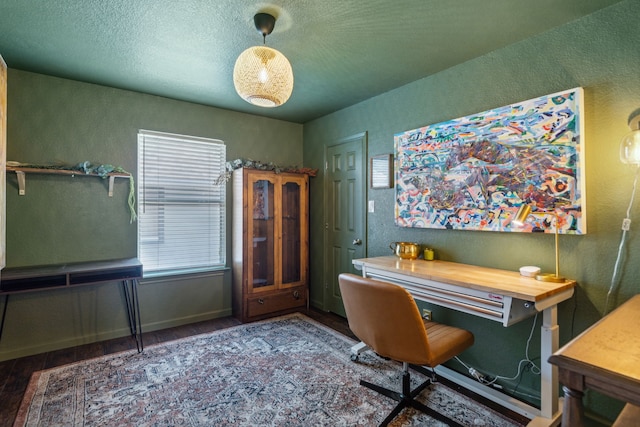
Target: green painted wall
(66,220)
(63,219)
(599,53)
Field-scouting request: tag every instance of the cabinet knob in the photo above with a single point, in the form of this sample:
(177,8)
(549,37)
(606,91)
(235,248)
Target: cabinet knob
(296,294)
(260,301)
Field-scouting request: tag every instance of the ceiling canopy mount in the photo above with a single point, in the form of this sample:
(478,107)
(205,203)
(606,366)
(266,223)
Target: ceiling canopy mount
(264,24)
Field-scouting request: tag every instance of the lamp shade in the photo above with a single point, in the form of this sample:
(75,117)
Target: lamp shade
(521,216)
(263,76)
(630,148)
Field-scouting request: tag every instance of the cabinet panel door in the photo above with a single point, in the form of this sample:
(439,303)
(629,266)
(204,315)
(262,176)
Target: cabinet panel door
(294,230)
(262,232)
(291,232)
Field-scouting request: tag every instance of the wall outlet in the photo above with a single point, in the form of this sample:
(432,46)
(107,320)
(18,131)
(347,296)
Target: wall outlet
(426,314)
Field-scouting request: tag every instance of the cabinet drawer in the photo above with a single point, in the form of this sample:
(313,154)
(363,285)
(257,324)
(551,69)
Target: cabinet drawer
(271,303)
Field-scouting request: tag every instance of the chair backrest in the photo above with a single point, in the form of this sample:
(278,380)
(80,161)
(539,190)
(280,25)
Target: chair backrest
(386,318)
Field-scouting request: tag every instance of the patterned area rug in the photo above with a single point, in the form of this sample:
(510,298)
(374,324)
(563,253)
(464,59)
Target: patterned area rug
(287,371)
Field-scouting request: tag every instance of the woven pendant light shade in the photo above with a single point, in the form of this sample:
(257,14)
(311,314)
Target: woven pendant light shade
(263,76)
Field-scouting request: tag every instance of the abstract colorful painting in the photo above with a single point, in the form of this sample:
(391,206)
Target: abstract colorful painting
(474,172)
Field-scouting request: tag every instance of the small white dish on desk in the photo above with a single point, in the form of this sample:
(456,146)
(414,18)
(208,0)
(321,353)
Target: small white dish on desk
(529,271)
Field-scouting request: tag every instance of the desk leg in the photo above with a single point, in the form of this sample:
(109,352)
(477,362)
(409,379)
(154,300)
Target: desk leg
(134,285)
(573,411)
(4,314)
(549,337)
(130,314)
(133,311)
(360,347)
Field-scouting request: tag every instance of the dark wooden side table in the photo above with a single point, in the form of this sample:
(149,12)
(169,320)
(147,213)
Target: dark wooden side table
(604,358)
(47,277)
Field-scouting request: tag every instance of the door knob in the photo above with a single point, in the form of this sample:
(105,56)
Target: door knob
(357,242)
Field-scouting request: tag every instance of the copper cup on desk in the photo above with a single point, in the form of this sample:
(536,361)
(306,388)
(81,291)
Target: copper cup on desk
(405,250)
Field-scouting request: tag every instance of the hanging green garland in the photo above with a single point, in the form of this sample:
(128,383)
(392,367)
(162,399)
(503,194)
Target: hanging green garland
(255,164)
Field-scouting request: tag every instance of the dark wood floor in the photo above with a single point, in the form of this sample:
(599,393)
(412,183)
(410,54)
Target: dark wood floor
(15,374)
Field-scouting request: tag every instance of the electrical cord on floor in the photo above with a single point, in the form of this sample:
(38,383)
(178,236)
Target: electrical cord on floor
(524,363)
(626,224)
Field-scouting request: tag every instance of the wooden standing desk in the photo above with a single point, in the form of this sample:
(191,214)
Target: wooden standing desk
(498,295)
(604,358)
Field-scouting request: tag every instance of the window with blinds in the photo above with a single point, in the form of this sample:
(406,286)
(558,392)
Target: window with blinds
(181,223)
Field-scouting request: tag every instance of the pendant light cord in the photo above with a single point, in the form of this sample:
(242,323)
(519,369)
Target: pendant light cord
(626,222)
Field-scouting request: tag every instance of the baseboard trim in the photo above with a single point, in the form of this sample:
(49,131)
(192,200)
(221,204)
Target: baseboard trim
(108,335)
(172,323)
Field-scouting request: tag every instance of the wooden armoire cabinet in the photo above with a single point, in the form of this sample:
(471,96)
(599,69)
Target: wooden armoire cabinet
(270,244)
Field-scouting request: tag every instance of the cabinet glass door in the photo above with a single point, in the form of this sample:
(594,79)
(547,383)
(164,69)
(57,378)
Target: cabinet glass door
(262,214)
(291,238)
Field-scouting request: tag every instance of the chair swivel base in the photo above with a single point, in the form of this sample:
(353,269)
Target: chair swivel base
(407,399)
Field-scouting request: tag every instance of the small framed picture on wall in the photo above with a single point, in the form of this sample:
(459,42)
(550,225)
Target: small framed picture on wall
(381,169)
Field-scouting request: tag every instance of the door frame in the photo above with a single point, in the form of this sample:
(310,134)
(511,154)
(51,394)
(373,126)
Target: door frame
(364,146)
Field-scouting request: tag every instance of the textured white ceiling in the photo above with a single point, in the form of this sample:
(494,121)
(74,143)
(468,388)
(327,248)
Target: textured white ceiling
(341,51)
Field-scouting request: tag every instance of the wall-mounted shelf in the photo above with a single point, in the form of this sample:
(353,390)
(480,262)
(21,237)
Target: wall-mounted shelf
(22,171)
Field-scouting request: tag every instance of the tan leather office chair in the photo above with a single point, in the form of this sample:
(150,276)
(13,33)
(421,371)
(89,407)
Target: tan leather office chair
(386,318)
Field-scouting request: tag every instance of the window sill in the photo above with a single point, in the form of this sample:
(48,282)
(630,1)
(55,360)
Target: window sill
(160,276)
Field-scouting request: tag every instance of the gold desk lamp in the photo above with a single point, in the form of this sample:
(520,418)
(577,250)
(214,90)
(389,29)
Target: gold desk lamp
(520,219)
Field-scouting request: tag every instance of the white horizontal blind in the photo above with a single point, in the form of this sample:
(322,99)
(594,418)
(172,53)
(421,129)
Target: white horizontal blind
(181,224)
